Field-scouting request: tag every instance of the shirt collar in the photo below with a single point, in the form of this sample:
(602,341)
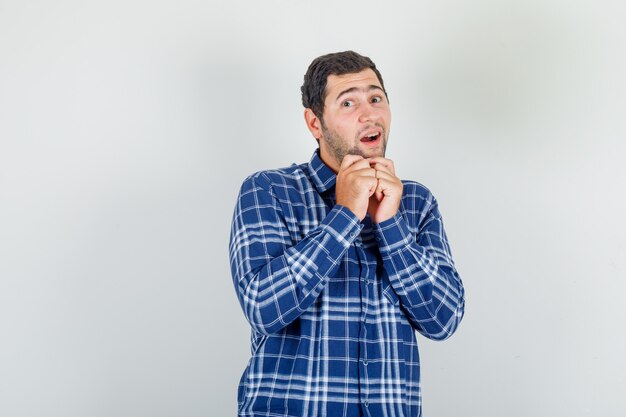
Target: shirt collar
(323,177)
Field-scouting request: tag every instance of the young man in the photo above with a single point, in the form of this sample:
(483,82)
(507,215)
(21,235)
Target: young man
(337,261)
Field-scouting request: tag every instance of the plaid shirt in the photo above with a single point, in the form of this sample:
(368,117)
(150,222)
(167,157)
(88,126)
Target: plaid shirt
(333,302)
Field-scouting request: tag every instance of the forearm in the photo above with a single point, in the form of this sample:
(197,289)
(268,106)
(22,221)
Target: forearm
(276,283)
(422,274)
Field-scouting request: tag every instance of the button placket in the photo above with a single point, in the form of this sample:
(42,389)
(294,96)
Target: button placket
(367,271)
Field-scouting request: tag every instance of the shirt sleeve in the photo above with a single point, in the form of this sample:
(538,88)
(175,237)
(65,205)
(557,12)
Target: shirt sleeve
(276,279)
(422,273)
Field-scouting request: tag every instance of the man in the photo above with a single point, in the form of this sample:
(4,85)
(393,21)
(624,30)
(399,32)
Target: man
(337,261)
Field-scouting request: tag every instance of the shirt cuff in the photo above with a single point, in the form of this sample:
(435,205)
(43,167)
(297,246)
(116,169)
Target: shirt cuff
(342,225)
(393,234)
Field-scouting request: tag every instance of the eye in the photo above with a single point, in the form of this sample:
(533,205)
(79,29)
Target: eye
(347,103)
(377,99)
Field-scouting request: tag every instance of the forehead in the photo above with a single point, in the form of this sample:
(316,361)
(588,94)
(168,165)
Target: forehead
(337,83)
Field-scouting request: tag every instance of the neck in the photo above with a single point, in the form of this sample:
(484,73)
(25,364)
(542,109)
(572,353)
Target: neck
(330,161)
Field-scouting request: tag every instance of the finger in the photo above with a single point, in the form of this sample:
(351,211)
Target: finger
(379,192)
(355,166)
(348,160)
(358,165)
(380,174)
(388,187)
(386,162)
(380,160)
(372,189)
(382,168)
(382,189)
(367,182)
(365,172)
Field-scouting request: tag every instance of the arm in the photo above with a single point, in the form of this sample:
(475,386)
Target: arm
(275,280)
(422,273)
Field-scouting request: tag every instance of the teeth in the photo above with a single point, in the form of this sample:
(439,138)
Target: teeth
(373,135)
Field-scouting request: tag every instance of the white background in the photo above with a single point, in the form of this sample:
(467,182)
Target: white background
(127,127)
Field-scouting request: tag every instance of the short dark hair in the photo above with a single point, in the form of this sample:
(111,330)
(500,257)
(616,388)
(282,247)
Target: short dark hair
(338,63)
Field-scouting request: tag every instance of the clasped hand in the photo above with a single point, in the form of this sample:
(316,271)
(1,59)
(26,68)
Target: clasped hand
(369,186)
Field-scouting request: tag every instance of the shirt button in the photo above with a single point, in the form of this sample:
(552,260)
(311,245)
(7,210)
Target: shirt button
(352,234)
(365,362)
(367,404)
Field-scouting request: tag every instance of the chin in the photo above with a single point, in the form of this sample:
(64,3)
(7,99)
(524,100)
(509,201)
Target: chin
(371,153)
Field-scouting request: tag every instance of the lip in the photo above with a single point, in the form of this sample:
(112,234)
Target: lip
(374,143)
(370,132)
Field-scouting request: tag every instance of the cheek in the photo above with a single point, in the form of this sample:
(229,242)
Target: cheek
(346,127)
(350,131)
(387,118)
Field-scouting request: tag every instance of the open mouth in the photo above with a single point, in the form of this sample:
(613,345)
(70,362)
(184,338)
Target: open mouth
(370,138)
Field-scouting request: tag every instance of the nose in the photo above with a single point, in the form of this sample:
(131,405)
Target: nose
(369,113)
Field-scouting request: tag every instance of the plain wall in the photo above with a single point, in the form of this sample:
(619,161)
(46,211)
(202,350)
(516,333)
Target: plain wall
(127,127)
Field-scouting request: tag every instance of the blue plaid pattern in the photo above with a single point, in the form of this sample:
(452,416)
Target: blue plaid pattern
(333,302)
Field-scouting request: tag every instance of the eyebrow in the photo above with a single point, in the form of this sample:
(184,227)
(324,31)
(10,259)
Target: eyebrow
(353,89)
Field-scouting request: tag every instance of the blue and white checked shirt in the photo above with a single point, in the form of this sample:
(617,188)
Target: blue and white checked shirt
(333,302)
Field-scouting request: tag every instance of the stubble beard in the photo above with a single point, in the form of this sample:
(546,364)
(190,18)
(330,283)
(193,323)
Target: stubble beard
(339,148)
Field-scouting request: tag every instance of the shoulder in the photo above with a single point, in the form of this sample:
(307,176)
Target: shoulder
(275,181)
(416,191)
(418,202)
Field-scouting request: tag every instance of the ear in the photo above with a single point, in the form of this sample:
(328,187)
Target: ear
(313,123)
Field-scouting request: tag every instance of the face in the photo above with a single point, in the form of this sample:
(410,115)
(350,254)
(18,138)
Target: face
(356,118)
